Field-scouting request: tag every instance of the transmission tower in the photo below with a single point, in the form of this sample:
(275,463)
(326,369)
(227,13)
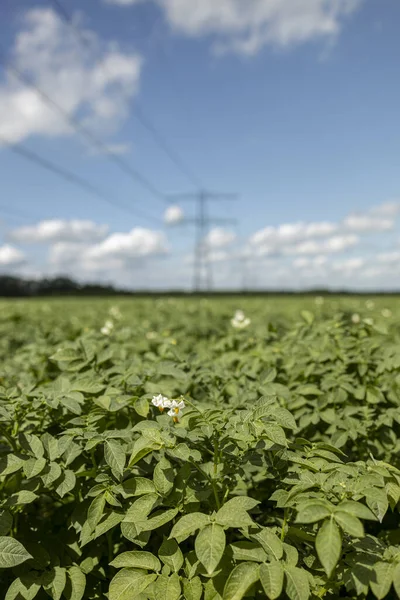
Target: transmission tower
(202,270)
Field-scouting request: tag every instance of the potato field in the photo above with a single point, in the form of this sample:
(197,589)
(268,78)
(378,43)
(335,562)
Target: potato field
(200,449)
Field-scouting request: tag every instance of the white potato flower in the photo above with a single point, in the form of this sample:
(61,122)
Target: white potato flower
(107,328)
(176,409)
(387,313)
(356,318)
(161,402)
(240,321)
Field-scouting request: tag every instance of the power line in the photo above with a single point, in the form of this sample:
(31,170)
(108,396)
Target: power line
(202,271)
(92,139)
(73,178)
(139,112)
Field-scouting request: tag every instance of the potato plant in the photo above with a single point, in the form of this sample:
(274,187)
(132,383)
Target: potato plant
(183,452)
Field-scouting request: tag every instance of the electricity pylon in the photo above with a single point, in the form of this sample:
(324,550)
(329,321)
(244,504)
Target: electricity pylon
(202,271)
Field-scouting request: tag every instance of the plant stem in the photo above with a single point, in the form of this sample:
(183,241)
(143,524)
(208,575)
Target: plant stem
(215,474)
(9,440)
(283,530)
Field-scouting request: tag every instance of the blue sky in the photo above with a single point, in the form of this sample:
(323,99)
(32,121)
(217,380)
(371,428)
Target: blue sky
(294,105)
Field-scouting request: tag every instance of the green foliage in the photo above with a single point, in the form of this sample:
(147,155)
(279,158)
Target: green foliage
(281,478)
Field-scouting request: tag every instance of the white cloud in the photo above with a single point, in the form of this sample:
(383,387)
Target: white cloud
(112,259)
(139,242)
(387,209)
(389,257)
(349,265)
(57,230)
(173,215)
(10,256)
(246,26)
(219,238)
(289,233)
(66,252)
(331,245)
(367,223)
(303,262)
(97,86)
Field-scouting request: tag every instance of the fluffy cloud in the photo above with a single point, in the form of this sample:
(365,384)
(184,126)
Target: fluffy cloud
(139,242)
(10,256)
(323,237)
(57,230)
(305,263)
(389,257)
(331,245)
(173,215)
(387,209)
(349,266)
(245,26)
(97,85)
(289,233)
(219,238)
(366,223)
(114,253)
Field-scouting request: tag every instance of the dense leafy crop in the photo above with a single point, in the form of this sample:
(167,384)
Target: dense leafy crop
(280,479)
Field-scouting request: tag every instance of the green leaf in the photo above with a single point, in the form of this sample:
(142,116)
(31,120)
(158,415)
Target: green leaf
(396,579)
(137,559)
(270,542)
(10,464)
(33,444)
(54,582)
(136,486)
(33,466)
(188,525)
(129,583)
(271,577)
(66,484)
(240,580)
(76,584)
(171,555)
(248,551)
(312,511)
(88,386)
(95,511)
(167,588)
(233,513)
(356,509)
(137,513)
(141,448)
(350,524)
(22,497)
(328,544)
(377,501)
(158,519)
(164,477)
(25,587)
(192,589)
(51,446)
(297,585)
(384,578)
(6,522)
(12,553)
(112,520)
(51,473)
(284,418)
(275,433)
(210,545)
(114,455)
